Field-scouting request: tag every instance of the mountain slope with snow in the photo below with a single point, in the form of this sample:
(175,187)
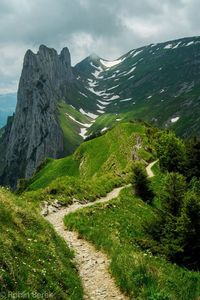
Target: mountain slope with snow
(58,108)
(158,83)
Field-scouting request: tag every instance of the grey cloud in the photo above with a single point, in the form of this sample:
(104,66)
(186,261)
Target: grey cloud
(107,27)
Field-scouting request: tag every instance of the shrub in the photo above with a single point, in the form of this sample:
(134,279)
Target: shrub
(141,183)
(171,153)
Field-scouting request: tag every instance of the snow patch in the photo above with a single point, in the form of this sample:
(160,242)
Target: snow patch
(174,120)
(98,93)
(83,94)
(89,114)
(136,53)
(92,83)
(127,99)
(83,133)
(149,97)
(73,119)
(100,111)
(103,102)
(168,46)
(101,107)
(162,91)
(131,77)
(131,70)
(112,88)
(176,46)
(118,120)
(104,129)
(110,64)
(91,63)
(189,44)
(115,97)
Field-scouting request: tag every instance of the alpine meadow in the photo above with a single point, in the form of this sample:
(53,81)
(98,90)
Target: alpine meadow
(99,160)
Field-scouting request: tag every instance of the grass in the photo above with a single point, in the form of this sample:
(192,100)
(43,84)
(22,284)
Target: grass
(106,120)
(66,188)
(33,259)
(53,170)
(107,154)
(115,228)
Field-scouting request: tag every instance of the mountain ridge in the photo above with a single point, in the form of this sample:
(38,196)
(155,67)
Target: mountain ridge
(60,105)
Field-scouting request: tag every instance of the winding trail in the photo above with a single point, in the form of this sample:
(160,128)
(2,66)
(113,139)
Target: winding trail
(93,265)
(149,169)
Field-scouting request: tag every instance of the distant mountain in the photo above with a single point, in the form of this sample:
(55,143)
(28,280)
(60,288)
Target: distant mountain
(59,105)
(159,83)
(7,107)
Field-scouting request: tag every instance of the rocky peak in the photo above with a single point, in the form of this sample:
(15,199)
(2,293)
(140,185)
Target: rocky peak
(35,132)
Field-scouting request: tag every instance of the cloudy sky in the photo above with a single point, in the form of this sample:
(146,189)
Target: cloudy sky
(108,28)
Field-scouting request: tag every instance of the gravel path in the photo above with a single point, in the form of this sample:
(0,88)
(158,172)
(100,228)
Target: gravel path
(92,264)
(149,169)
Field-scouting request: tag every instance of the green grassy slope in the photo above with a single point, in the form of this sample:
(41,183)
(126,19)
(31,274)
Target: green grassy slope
(107,154)
(70,128)
(33,259)
(114,227)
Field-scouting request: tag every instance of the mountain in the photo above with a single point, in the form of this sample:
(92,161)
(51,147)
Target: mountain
(158,83)
(59,105)
(35,131)
(7,107)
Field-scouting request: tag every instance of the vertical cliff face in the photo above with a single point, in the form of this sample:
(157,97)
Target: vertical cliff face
(34,132)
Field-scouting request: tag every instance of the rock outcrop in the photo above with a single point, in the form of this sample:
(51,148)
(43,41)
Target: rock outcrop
(34,132)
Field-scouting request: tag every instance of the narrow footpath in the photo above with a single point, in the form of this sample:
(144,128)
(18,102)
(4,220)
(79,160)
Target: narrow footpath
(93,265)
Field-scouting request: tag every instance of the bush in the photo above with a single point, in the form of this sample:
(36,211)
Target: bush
(188,228)
(172,193)
(193,158)
(171,153)
(141,183)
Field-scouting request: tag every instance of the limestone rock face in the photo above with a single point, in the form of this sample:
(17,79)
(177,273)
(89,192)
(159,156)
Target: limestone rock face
(34,132)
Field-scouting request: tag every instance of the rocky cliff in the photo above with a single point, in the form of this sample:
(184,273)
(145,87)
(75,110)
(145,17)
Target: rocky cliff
(59,106)
(34,132)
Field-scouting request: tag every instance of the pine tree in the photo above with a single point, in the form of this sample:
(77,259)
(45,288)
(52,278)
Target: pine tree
(172,193)
(188,228)
(193,158)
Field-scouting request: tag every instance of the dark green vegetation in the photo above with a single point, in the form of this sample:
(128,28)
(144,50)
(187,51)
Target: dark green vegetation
(141,183)
(33,259)
(176,229)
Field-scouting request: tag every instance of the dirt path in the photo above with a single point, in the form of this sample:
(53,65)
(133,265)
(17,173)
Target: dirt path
(149,169)
(92,264)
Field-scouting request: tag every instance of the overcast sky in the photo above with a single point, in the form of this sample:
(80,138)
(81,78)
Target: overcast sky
(108,28)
